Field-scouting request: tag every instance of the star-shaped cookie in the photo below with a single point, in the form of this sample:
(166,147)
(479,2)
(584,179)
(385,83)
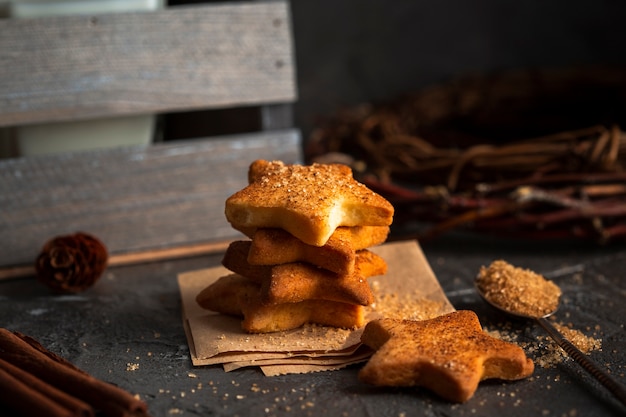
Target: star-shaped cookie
(299,281)
(308,201)
(448,355)
(239,296)
(276,246)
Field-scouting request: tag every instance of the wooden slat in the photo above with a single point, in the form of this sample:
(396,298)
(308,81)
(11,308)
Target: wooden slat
(276,116)
(182,58)
(132,198)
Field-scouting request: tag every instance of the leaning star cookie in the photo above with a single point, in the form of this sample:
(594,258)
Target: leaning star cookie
(238,296)
(308,201)
(449,355)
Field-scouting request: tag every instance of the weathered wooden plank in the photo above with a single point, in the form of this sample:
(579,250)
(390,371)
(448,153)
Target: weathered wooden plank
(181,58)
(133,198)
(276,116)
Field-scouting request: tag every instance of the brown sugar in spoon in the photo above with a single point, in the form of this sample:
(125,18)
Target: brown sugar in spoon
(523,293)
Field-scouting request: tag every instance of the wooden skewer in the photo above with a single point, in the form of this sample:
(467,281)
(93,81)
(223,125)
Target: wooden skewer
(13,272)
(131,258)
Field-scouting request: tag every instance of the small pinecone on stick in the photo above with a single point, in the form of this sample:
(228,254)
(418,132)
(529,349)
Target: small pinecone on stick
(72,263)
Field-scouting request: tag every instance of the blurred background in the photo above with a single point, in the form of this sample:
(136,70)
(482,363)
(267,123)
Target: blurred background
(403,90)
(358,51)
(355,51)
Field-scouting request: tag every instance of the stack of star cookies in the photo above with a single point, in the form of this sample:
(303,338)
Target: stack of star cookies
(307,258)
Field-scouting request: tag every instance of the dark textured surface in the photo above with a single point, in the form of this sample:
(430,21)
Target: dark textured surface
(132,316)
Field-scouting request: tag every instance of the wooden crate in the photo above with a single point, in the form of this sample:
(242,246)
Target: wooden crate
(164,195)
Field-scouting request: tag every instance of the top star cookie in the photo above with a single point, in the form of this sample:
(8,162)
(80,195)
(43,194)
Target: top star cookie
(449,355)
(308,201)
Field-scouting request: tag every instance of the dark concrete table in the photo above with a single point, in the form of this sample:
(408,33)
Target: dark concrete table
(128,330)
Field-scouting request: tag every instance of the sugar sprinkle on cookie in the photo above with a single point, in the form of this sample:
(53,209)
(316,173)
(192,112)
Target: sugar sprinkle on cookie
(308,201)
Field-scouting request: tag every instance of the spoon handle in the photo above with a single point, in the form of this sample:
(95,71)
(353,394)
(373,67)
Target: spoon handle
(588,365)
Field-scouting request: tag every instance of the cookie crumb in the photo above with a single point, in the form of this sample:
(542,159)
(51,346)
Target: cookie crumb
(132,367)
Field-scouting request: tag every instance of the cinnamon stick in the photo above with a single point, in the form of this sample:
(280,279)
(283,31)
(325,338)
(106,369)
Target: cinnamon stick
(111,400)
(26,401)
(31,396)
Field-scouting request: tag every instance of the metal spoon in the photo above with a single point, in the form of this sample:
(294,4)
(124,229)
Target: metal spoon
(613,385)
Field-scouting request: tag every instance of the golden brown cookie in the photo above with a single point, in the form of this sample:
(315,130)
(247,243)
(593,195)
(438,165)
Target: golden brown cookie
(225,295)
(448,355)
(277,246)
(299,281)
(239,296)
(308,201)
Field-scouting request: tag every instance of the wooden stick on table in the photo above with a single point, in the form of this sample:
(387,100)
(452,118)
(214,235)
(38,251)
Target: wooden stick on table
(131,258)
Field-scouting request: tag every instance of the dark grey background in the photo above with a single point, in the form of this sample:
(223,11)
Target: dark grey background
(352,51)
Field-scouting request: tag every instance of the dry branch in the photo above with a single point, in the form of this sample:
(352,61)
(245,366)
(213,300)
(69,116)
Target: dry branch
(453,157)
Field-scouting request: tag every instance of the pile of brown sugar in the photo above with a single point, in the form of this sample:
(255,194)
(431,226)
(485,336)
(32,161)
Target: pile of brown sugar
(519,291)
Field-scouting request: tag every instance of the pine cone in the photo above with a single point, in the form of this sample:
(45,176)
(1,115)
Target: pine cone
(72,263)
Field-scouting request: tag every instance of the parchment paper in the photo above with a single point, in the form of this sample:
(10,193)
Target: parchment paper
(218,339)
